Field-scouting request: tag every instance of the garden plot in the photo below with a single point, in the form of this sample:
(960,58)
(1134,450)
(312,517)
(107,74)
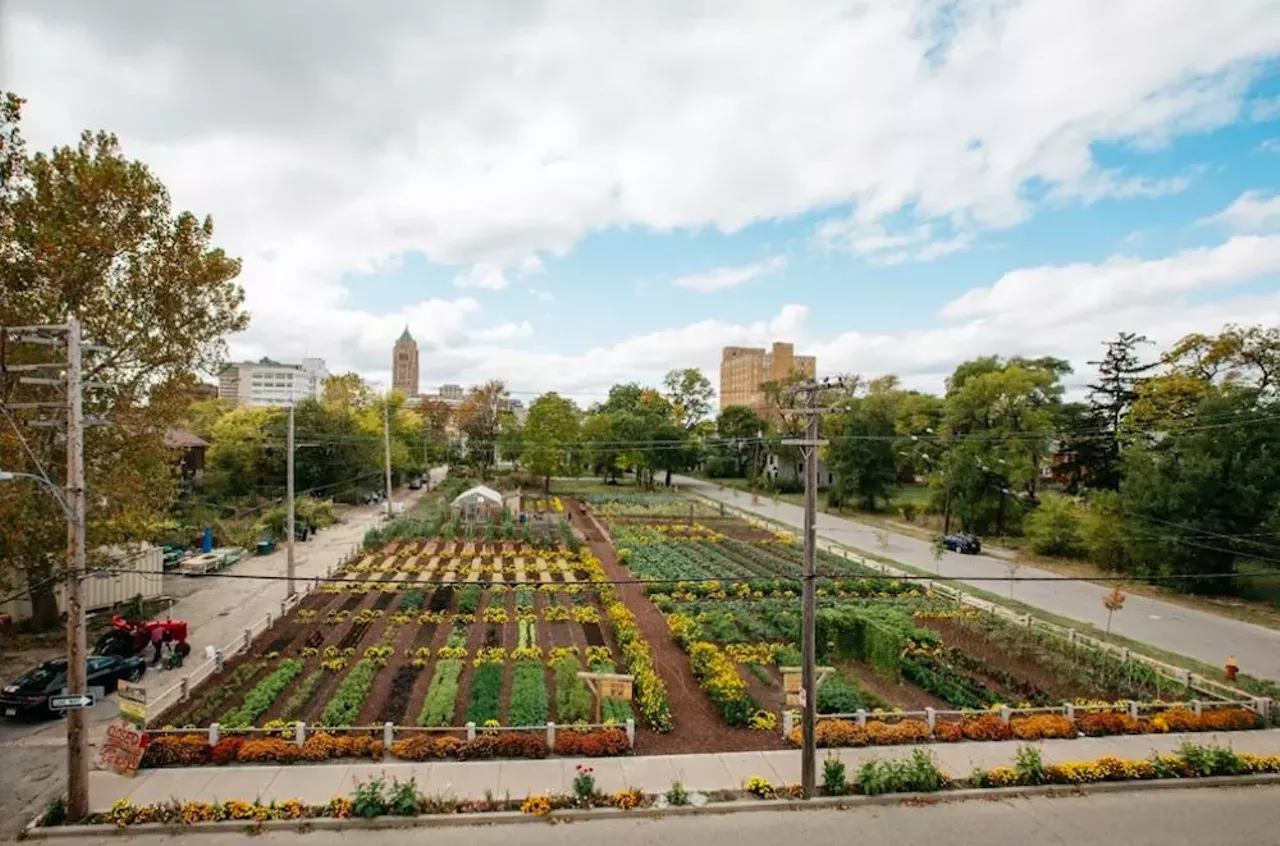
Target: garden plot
(732,605)
(428,633)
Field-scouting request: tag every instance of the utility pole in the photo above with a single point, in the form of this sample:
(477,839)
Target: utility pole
(386,446)
(289,528)
(77,647)
(809,444)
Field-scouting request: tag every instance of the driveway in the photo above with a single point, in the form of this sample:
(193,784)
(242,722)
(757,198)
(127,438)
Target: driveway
(1197,634)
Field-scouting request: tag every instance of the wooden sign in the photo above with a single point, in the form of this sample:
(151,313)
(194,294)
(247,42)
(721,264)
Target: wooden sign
(133,703)
(121,751)
(792,683)
(608,686)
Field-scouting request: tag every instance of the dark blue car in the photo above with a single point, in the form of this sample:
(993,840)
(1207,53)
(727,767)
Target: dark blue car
(964,544)
(28,694)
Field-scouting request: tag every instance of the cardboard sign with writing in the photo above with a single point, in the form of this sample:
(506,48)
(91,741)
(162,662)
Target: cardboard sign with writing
(791,683)
(133,703)
(616,689)
(121,750)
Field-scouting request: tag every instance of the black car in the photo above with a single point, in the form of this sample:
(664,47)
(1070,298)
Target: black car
(29,694)
(964,544)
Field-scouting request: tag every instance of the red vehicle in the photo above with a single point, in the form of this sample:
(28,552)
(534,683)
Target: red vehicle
(132,637)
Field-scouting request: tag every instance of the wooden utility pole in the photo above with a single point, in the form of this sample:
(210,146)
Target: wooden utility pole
(809,444)
(289,527)
(77,647)
(386,446)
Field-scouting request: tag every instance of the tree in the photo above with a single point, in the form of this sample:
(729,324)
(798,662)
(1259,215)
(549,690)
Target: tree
(1053,527)
(85,231)
(510,437)
(860,453)
(741,433)
(550,436)
(347,392)
(1120,372)
(478,418)
(690,394)
(1113,602)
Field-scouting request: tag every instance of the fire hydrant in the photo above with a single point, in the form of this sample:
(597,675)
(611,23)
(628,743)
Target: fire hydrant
(1232,668)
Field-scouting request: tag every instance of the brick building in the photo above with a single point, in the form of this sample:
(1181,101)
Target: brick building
(744,371)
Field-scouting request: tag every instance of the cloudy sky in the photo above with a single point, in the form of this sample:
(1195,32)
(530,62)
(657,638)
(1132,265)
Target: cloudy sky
(568,194)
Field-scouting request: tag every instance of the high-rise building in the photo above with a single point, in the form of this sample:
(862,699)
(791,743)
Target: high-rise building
(451,392)
(744,371)
(268,383)
(404,365)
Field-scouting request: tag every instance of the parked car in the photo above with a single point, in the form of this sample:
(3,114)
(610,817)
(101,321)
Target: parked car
(964,544)
(415,484)
(28,695)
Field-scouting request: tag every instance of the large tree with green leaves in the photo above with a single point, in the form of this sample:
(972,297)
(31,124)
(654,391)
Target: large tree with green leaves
(86,231)
(550,436)
(690,393)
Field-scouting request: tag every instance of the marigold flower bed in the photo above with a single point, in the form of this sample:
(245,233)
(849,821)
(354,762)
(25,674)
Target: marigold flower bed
(835,733)
(193,750)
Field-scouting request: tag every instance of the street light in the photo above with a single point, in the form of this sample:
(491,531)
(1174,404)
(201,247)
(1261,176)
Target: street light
(10,475)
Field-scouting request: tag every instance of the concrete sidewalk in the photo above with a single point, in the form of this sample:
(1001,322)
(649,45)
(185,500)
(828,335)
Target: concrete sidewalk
(317,784)
(1186,631)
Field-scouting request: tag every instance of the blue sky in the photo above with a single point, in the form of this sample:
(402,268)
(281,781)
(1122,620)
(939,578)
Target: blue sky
(579,195)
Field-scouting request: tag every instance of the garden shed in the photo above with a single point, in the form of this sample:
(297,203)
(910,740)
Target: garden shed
(478,503)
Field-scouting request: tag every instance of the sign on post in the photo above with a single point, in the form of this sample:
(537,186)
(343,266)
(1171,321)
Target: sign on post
(608,686)
(792,686)
(133,703)
(121,750)
(71,702)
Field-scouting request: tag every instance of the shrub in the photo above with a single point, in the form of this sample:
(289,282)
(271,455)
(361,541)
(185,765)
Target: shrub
(268,750)
(486,691)
(1053,528)
(837,696)
(528,704)
(508,744)
(182,750)
(834,780)
(226,750)
(918,773)
(423,747)
(593,744)
(1041,726)
(442,695)
(834,733)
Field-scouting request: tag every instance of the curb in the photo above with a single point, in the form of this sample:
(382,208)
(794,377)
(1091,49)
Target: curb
(719,809)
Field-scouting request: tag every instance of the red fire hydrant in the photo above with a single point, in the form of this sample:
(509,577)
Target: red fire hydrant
(1232,668)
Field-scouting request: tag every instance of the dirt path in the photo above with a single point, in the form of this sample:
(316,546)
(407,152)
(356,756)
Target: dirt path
(698,727)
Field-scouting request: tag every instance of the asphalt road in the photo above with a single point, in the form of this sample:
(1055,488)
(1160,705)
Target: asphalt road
(1196,634)
(1205,817)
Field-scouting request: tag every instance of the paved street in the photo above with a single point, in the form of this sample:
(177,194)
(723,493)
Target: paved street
(1204,817)
(1196,634)
(317,784)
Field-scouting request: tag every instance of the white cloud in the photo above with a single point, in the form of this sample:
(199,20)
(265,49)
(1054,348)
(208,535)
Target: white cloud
(875,242)
(531,266)
(1041,296)
(543,295)
(729,277)
(1265,109)
(483,275)
(504,332)
(1252,211)
(1270,145)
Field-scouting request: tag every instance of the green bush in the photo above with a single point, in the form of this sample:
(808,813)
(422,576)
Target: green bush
(258,701)
(469,599)
(1053,528)
(528,705)
(917,774)
(837,696)
(349,698)
(573,700)
(442,694)
(947,683)
(486,694)
(1102,531)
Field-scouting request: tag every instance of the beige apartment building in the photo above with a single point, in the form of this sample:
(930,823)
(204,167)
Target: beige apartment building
(404,365)
(744,371)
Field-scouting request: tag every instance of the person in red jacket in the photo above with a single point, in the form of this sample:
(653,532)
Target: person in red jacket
(1232,668)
